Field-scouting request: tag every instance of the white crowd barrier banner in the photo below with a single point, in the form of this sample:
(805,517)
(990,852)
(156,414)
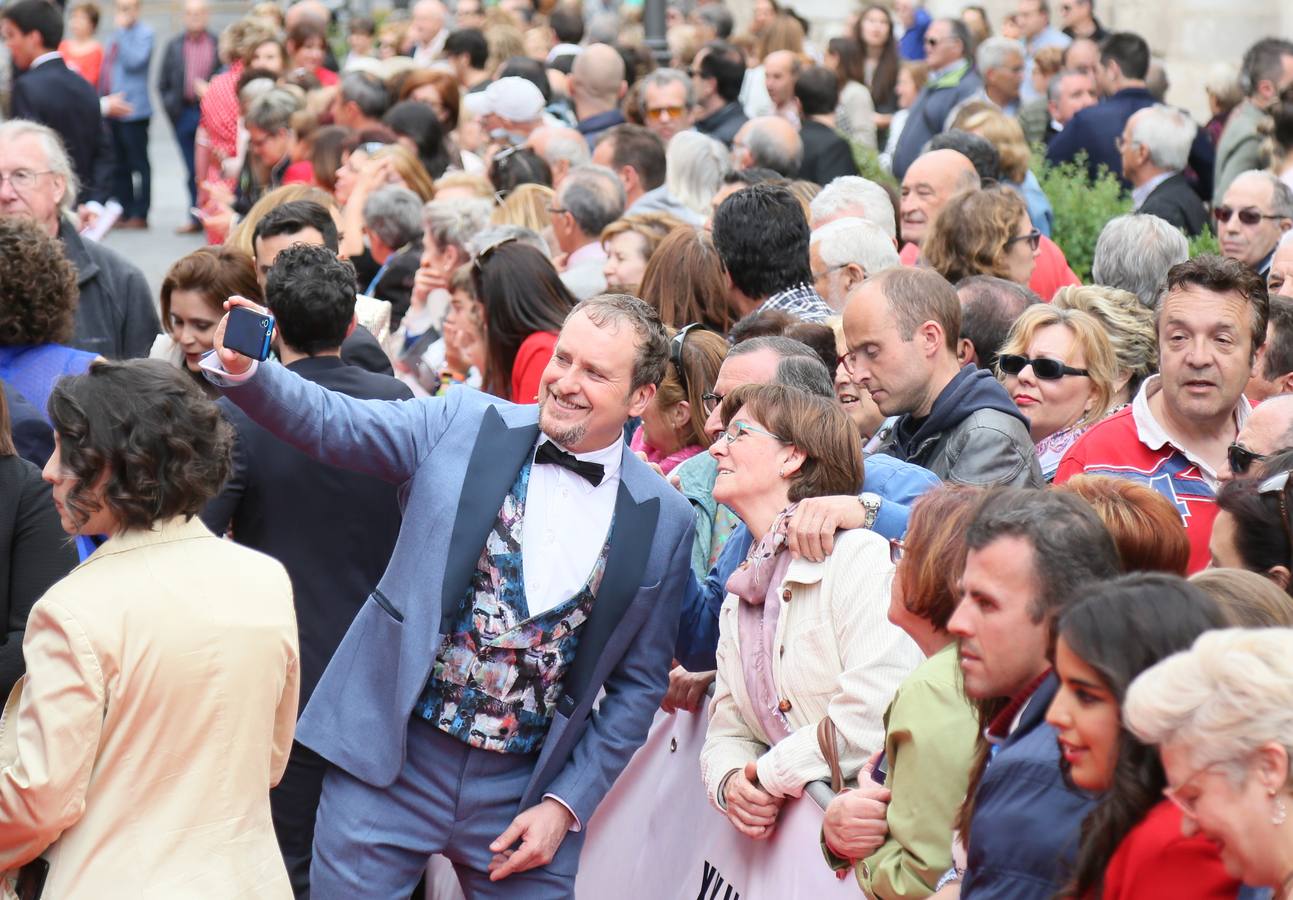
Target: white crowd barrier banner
(656,837)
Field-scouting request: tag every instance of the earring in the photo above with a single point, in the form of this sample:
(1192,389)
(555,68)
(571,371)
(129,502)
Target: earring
(1281,813)
(781,473)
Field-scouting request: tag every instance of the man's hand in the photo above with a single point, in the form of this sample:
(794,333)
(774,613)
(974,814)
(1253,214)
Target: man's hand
(85,217)
(234,362)
(540,829)
(749,807)
(855,825)
(814,523)
(200,86)
(115,106)
(686,690)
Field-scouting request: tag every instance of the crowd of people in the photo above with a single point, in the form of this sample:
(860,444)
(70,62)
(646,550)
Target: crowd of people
(756,386)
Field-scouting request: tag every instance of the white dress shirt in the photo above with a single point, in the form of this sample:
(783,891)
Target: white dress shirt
(565,526)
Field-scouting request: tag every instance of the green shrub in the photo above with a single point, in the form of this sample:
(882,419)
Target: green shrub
(1081,207)
(1205,243)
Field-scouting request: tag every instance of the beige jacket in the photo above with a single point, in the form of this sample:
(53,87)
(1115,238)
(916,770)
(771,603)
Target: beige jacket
(835,653)
(157,711)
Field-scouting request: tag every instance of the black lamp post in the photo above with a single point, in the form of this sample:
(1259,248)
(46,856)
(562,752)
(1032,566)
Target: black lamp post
(653,19)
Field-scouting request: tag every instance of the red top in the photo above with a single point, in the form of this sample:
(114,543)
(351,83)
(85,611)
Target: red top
(1156,860)
(327,77)
(299,172)
(85,64)
(531,359)
(1051,272)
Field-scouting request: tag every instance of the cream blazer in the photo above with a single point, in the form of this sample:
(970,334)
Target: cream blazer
(157,711)
(836,653)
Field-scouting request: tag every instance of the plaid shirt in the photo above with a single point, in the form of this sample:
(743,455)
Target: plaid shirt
(802,301)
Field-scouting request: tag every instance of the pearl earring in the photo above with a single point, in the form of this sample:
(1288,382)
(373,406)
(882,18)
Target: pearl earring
(1281,813)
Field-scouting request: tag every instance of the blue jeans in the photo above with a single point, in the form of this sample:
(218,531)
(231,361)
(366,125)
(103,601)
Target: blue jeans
(130,146)
(186,135)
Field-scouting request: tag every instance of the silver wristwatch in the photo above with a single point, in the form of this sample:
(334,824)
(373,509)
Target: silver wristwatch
(871,503)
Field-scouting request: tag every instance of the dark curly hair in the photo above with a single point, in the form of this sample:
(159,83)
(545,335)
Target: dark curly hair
(38,291)
(165,448)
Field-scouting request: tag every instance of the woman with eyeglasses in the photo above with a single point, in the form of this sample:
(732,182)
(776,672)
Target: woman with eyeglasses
(1060,370)
(931,725)
(1133,843)
(985,232)
(1252,528)
(798,640)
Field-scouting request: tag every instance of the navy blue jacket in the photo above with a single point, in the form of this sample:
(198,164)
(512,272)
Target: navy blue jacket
(1096,128)
(1027,822)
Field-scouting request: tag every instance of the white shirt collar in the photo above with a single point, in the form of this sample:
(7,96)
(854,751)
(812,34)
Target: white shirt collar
(1153,435)
(1140,194)
(44,58)
(586,254)
(609,457)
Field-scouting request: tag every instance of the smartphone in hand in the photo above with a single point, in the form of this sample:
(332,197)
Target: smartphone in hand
(249,332)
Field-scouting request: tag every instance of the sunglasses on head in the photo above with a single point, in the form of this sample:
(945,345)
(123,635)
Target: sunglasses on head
(1247,216)
(1241,459)
(1043,368)
(675,353)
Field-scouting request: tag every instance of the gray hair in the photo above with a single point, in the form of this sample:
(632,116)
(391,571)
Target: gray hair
(1167,133)
(367,92)
(1220,700)
(652,340)
(993,52)
(56,158)
(1281,194)
(854,196)
(1053,86)
(806,373)
(567,145)
(394,214)
(718,17)
(453,223)
(1134,253)
(857,241)
(594,196)
(695,167)
(768,152)
(254,89)
(273,110)
(661,78)
(784,347)
(496,234)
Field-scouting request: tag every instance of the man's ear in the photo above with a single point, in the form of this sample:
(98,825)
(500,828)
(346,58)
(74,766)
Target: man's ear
(965,352)
(640,399)
(853,276)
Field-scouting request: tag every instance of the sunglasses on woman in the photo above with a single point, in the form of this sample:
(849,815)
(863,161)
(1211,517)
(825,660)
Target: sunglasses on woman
(1241,459)
(1043,368)
(1034,239)
(1247,216)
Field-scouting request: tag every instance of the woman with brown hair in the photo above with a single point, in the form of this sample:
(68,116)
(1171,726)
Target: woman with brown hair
(875,38)
(686,282)
(1005,133)
(673,425)
(307,48)
(1247,600)
(985,232)
(1145,526)
(855,113)
(630,243)
(931,726)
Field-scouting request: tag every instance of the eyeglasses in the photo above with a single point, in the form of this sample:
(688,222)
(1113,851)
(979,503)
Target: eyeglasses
(1241,458)
(1247,216)
(897,550)
(556,210)
(931,42)
(1189,807)
(1123,144)
(1278,484)
(1034,239)
(710,401)
(371,147)
(1043,368)
(818,276)
(23,179)
(660,113)
(741,429)
(675,353)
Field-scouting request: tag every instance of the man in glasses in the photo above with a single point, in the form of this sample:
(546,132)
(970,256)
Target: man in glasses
(666,101)
(1256,211)
(951,79)
(1266,72)
(1155,147)
(1268,431)
(1175,434)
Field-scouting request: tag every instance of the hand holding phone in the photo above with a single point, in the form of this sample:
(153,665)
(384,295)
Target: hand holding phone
(243,335)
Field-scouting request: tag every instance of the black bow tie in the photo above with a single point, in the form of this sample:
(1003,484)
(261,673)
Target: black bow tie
(550,453)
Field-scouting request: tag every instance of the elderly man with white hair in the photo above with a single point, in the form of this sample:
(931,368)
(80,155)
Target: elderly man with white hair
(1255,212)
(852,196)
(1155,146)
(1000,61)
(561,148)
(427,30)
(1134,253)
(846,252)
(768,142)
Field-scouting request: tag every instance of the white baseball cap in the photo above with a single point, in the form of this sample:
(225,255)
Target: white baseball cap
(511,98)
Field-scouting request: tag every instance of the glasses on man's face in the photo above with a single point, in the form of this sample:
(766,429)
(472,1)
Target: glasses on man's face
(931,42)
(1247,216)
(1034,239)
(1043,368)
(662,113)
(23,180)
(738,430)
(1122,143)
(1241,459)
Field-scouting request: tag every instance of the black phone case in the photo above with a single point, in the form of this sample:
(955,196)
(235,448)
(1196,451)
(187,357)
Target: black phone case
(31,879)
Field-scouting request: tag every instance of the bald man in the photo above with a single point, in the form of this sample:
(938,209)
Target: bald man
(768,142)
(188,62)
(426,28)
(930,181)
(597,86)
(780,70)
(1267,430)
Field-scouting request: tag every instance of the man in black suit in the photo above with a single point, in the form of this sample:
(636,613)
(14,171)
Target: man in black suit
(306,222)
(332,529)
(187,65)
(827,154)
(1154,146)
(47,91)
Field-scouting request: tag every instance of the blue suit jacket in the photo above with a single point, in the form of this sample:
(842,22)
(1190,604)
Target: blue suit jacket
(455,458)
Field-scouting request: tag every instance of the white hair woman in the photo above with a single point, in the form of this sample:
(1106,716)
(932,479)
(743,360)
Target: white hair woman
(696,165)
(1221,715)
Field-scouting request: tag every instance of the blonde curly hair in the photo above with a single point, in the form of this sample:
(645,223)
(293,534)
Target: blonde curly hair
(1127,322)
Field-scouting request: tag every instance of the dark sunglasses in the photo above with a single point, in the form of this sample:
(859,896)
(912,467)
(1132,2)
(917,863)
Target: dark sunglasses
(1043,368)
(675,356)
(1034,239)
(1247,215)
(1241,458)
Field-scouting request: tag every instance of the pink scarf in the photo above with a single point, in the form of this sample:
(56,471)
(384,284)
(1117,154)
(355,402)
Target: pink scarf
(756,582)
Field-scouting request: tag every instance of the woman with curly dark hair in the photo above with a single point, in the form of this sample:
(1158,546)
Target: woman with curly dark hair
(1132,842)
(162,674)
(37,311)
